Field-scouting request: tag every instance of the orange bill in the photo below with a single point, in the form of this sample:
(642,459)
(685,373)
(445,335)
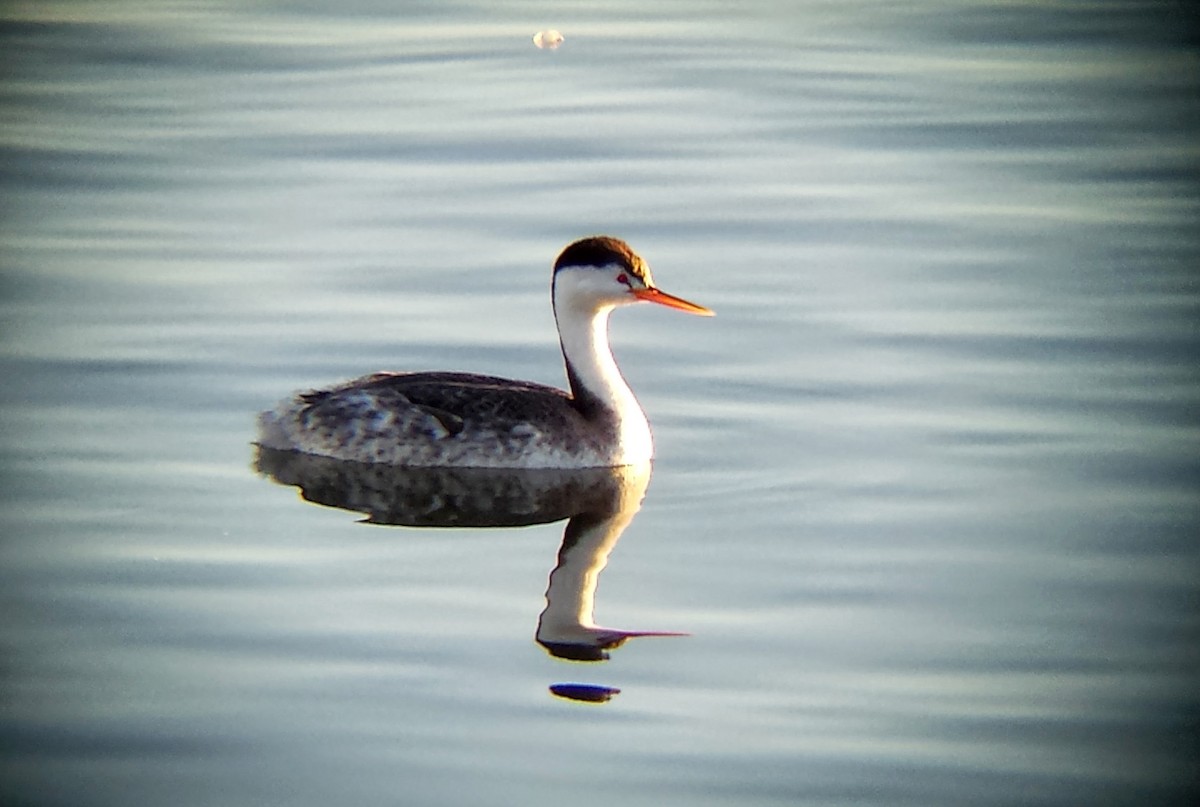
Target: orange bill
(671,301)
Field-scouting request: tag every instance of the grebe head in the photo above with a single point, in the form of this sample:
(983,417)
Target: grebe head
(602,272)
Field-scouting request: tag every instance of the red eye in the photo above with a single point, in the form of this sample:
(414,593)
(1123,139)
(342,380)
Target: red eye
(623,280)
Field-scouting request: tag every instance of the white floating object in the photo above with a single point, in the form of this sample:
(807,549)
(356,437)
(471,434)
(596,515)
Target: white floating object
(548,39)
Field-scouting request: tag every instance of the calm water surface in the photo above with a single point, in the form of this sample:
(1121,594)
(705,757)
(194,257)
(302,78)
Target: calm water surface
(926,494)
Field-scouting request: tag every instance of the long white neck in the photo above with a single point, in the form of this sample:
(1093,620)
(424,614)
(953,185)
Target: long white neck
(595,378)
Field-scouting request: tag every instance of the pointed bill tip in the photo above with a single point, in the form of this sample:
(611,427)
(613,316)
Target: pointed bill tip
(671,301)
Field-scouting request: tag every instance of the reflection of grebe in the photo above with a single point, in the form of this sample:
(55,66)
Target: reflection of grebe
(600,503)
(463,420)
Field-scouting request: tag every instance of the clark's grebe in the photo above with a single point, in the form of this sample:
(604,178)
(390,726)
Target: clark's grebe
(447,419)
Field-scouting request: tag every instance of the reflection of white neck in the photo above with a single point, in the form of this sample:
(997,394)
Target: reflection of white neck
(571,596)
(589,539)
(593,372)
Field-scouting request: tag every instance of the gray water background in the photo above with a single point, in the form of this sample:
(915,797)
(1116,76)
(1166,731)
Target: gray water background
(926,489)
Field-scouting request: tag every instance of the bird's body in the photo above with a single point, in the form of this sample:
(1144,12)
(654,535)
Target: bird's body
(449,420)
(441,419)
